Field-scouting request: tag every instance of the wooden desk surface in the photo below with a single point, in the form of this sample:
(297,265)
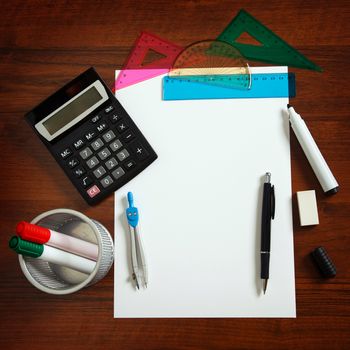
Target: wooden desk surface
(44,44)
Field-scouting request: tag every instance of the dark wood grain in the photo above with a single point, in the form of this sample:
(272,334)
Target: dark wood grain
(44,44)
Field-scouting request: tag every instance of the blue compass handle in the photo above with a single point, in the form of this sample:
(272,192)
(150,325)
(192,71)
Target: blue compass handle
(132,214)
(130,199)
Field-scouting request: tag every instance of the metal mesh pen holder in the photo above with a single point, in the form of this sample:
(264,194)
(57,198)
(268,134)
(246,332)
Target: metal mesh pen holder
(55,279)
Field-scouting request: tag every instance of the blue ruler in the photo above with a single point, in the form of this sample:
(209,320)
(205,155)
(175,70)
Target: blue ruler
(262,86)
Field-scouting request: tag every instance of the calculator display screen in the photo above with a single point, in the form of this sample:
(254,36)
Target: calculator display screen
(72,110)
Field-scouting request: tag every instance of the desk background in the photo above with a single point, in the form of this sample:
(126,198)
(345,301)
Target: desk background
(44,44)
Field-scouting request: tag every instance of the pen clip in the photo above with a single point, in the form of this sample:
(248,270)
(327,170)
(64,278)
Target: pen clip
(273,202)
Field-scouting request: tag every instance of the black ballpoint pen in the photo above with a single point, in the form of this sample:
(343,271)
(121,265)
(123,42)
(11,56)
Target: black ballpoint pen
(268,213)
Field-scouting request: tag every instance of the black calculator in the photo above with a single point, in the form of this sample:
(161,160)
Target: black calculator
(91,136)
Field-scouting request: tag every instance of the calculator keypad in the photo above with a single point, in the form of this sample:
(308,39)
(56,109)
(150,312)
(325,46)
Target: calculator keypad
(105,152)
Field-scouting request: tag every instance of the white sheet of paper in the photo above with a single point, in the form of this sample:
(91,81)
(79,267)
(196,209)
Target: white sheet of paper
(200,207)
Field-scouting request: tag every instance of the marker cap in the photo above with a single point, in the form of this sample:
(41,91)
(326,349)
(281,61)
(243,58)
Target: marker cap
(324,262)
(26,248)
(33,233)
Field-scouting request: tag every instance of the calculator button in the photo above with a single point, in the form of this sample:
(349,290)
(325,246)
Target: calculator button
(117,173)
(73,162)
(115,145)
(93,191)
(109,109)
(97,144)
(85,153)
(111,163)
(109,136)
(128,136)
(91,134)
(105,153)
(79,144)
(99,171)
(115,118)
(139,150)
(79,171)
(92,162)
(123,155)
(66,153)
(130,164)
(121,127)
(106,181)
(86,181)
(96,118)
(101,127)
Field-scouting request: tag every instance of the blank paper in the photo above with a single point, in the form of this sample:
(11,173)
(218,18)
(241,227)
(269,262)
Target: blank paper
(200,207)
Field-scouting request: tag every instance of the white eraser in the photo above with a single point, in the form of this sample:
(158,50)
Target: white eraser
(307,208)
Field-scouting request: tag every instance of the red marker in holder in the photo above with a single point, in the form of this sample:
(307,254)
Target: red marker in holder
(42,235)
